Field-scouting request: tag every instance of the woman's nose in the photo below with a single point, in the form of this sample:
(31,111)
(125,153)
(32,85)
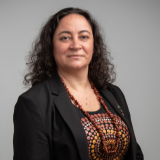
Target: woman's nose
(75,44)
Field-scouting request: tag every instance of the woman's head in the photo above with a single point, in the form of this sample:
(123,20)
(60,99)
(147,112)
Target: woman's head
(73,43)
(43,57)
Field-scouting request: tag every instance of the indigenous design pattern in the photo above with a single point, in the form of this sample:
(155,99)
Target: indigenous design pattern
(94,141)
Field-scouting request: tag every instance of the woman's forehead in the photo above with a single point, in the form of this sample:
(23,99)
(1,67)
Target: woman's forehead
(74,22)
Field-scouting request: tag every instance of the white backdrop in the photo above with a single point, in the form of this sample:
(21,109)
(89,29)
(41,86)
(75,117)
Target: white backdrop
(132,30)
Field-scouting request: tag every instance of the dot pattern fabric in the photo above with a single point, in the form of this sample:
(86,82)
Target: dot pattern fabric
(108,128)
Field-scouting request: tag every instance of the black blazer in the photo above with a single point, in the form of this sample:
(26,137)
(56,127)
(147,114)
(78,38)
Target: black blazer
(47,126)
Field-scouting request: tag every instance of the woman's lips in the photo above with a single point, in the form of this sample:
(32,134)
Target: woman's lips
(75,56)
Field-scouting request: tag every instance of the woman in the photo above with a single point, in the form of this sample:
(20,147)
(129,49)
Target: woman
(72,110)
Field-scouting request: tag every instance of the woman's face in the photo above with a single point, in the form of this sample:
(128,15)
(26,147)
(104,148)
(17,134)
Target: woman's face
(73,43)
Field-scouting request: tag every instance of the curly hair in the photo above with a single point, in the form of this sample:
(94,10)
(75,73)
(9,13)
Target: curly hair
(41,63)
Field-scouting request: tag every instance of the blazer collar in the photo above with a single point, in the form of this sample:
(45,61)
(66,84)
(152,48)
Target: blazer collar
(69,113)
(111,99)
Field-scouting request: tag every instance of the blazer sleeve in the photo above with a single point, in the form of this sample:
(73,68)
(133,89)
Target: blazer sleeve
(30,140)
(122,101)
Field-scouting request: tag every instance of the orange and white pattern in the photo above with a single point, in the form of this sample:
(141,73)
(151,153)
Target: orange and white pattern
(94,141)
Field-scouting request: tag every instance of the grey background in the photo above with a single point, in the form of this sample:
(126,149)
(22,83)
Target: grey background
(132,30)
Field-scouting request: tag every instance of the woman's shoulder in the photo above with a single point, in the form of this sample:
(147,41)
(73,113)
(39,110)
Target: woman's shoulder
(118,94)
(37,91)
(115,90)
(38,94)
(36,103)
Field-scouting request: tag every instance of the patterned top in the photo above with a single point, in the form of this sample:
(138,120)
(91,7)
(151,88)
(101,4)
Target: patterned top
(94,141)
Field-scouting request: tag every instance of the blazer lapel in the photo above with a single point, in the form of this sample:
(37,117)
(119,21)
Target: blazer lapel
(64,105)
(111,99)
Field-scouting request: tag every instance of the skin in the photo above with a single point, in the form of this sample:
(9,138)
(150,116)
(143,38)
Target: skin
(73,43)
(73,49)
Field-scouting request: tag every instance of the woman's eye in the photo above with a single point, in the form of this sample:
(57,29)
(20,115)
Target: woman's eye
(84,37)
(68,38)
(65,38)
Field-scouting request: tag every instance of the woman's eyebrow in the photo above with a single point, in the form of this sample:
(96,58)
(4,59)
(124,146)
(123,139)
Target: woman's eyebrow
(70,32)
(84,31)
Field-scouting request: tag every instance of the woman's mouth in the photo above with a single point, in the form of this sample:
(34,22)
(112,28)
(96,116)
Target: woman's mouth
(75,56)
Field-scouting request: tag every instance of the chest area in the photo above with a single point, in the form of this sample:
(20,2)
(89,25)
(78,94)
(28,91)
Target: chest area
(108,128)
(89,102)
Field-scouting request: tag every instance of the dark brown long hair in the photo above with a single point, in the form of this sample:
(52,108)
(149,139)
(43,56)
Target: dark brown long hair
(41,63)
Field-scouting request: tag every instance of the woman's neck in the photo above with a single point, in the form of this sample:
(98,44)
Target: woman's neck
(76,81)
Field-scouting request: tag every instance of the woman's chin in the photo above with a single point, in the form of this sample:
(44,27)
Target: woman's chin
(78,67)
